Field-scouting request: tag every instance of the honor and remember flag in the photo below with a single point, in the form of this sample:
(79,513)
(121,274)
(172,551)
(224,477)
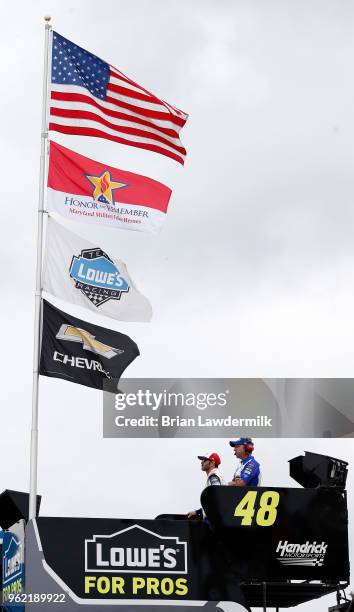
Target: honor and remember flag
(82,189)
(91,98)
(81,352)
(80,272)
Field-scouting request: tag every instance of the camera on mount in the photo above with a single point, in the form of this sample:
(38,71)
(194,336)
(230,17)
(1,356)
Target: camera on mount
(312,470)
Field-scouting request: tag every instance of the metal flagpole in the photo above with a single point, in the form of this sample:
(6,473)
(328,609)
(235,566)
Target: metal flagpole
(38,294)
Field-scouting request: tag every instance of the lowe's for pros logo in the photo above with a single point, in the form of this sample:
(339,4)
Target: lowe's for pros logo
(136,550)
(12,558)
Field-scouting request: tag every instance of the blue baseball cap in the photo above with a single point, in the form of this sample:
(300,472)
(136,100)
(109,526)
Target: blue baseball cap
(240,441)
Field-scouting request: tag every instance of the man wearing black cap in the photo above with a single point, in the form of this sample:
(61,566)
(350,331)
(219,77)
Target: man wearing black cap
(248,473)
(209,464)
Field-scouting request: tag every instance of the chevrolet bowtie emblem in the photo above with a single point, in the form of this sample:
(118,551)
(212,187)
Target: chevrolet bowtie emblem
(88,341)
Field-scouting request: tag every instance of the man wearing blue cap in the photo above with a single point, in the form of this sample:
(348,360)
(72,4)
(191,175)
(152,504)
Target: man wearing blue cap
(248,473)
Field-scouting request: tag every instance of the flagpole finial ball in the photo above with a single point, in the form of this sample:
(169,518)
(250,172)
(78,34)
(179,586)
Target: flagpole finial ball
(47,18)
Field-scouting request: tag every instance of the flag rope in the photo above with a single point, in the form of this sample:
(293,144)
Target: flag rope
(38,291)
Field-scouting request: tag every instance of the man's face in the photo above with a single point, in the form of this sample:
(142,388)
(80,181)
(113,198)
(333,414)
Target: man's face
(206,465)
(239,451)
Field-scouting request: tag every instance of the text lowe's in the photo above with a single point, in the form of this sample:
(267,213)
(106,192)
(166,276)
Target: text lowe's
(80,352)
(82,189)
(81,273)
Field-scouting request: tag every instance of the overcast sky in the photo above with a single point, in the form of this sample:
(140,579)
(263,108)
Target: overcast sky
(252,274)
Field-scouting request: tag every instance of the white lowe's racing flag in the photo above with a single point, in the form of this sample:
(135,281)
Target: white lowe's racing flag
(82,273)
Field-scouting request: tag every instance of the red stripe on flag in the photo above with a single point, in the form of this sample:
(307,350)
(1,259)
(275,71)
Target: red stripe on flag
(80,114)
(76,97)
(124,91)
(166,116)
(114,72)
(146,112)
(79,131)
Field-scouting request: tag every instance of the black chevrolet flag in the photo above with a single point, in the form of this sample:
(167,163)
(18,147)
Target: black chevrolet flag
(81,352)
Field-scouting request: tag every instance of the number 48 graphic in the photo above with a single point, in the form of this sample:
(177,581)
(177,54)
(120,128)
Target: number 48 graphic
(264,511)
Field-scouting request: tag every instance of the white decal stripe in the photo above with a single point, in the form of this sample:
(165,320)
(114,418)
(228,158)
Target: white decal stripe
(36,533)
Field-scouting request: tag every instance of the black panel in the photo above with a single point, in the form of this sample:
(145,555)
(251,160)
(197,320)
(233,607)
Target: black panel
(305,540)
(14,506)
(315,519)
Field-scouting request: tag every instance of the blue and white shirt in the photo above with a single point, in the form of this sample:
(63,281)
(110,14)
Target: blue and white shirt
(249,471)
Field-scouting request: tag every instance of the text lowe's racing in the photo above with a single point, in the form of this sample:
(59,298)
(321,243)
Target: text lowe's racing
(265,546)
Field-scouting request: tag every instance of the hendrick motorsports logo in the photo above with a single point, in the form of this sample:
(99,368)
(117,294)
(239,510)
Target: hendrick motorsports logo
(97,276)
(302,554)
(136,550)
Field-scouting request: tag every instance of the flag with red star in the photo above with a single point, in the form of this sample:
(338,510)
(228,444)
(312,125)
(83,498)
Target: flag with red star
(82,189)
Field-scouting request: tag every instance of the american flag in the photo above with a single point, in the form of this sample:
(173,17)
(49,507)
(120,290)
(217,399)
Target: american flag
(91,98)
